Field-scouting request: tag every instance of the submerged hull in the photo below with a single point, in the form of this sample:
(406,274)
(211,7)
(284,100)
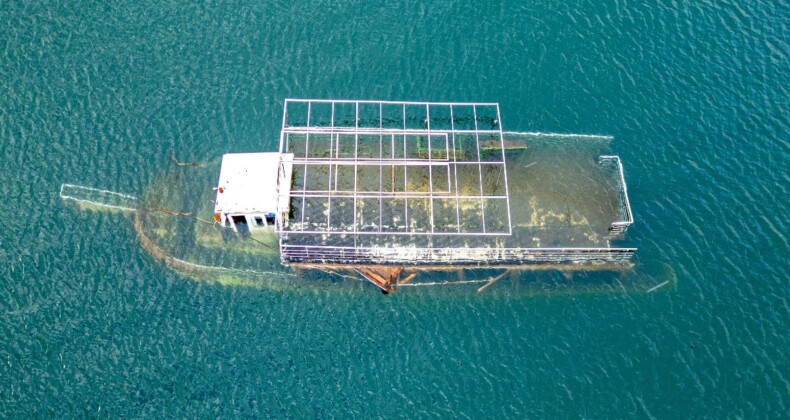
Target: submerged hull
(196,244)
(178,230)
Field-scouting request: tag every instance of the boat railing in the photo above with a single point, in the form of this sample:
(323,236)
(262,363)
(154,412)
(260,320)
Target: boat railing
(619,227)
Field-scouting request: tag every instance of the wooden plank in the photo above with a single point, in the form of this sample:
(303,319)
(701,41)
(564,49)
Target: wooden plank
(407,278)
(492,281)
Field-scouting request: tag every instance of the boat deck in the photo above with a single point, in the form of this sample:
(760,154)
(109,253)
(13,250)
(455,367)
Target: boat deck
(422,190)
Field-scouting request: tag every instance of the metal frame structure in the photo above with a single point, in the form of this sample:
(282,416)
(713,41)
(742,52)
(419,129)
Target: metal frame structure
(393,139)
(353,159)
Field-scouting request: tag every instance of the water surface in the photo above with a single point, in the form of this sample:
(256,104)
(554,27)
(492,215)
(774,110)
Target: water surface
(103,93)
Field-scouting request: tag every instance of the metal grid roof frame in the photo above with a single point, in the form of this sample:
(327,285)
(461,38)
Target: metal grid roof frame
(437,142)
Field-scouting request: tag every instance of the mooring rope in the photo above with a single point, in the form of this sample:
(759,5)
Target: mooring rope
(232,270)
(179,163)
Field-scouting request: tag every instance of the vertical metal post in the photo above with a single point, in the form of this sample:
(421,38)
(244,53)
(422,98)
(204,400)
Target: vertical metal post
(285,123)
(405,175)
(455,170)
(504,170)
(381,153)
(356,158)
(306,145)
(332,140)
(430,166)
(479,169)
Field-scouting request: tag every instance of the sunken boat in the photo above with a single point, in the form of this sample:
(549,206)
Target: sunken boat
(395,194)
(389,190)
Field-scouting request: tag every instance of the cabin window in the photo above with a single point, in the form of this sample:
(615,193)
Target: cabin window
(259,221)
(270,220)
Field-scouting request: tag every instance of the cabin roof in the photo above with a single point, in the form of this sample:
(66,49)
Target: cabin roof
(248,183)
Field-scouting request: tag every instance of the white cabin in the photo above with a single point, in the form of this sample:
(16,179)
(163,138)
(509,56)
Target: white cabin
(253,190)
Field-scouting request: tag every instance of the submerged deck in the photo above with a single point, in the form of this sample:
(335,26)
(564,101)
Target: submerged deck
(441,184)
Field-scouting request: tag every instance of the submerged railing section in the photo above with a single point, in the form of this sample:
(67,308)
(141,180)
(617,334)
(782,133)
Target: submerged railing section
(99,198)
(454,256)
(619,227)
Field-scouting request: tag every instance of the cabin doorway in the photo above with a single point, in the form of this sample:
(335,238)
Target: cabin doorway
(240,224)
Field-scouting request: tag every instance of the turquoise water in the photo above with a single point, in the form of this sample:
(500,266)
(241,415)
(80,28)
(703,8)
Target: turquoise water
(103,93)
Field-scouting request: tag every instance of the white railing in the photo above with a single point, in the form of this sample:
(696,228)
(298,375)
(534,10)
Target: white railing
(619,227)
